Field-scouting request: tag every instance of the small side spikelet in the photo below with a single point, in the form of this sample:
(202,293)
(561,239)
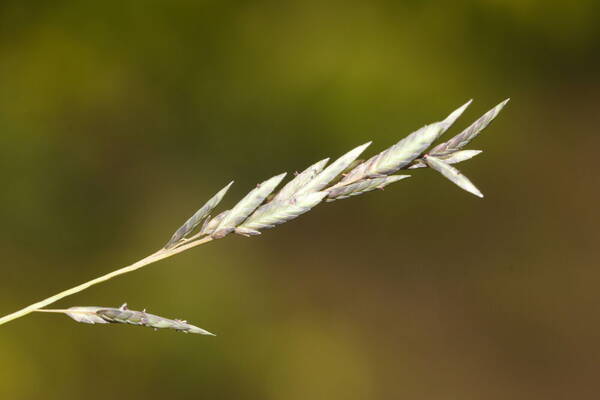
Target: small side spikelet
(453,174)
(123,315)
(246,206)
(195,219)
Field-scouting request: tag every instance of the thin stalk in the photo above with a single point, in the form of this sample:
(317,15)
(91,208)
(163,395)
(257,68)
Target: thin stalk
(157,256)
(62,311)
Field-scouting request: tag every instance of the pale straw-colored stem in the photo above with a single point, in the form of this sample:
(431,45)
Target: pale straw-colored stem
(159,255)
(65,311)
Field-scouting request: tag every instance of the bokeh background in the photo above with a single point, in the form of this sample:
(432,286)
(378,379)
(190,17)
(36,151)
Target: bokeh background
(119,118)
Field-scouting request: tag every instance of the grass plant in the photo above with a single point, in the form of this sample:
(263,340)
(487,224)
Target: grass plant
(262,208)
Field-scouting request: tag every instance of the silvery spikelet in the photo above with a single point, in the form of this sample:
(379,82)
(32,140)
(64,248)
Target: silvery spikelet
(195,219)
(333,171)
(450,158)
(277,212)
(452,174)
(300,181)
(123,315)
(246,206)
(462,139)
(362,186)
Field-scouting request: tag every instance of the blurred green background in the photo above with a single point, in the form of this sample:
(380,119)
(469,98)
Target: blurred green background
(119,118)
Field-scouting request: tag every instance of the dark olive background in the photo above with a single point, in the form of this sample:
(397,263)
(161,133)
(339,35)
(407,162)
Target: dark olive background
(119,118)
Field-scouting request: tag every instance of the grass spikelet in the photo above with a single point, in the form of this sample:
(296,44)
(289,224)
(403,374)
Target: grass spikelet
(462,139)
(123,315)
(246,206)
(333,171)
(451,158)
(453,174)
(195,219)
(363,186)
(277,212)
(300,180)
(211,223)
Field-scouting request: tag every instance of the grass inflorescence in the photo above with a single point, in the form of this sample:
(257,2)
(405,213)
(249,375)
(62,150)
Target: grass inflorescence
(264,208)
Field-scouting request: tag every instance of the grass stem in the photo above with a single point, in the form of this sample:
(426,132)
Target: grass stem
(157,256)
